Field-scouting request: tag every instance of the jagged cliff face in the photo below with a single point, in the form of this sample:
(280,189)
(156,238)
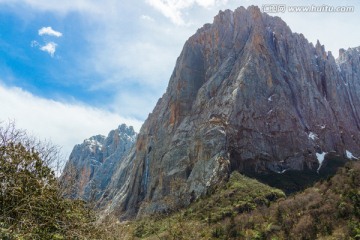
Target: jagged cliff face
(91,164)
(246,94)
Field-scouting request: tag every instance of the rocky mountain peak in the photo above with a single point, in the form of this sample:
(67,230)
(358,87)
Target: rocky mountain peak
(351,55)
(128,130)
(90,165)
(94,143)
(246,94)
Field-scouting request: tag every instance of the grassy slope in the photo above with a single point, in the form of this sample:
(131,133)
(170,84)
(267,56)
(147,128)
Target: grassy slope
(239,195)
(247,209)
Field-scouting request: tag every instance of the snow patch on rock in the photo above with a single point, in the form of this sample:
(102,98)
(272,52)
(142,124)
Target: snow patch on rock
(312,136)
(349,155)
(320,157)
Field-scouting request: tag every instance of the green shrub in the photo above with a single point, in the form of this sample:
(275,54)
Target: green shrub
(30,200)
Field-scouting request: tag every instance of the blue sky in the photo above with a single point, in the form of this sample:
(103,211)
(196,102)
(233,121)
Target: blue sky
(114,58)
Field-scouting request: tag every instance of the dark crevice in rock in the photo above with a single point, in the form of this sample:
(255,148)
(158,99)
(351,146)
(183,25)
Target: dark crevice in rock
(295,104)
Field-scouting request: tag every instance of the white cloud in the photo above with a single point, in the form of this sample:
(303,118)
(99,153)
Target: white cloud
(140,106)
(169,9)
(210,3)
(153,67)
(126,50)
(49,31)
(147,18)
(62,7)
(34,44)
(49,48)
(65,124)
(173,9)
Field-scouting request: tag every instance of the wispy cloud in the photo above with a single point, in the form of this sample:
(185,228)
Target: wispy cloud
(62,7)
(170,9)
(147,18)
(66,124)
(34,43)
(49,31)
(49,48)
(130,49)
(173,9)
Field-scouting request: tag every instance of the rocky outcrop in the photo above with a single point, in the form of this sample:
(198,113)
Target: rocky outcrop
(246,94)
(91,164)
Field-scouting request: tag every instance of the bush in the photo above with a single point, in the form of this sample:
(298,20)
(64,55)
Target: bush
(30,200)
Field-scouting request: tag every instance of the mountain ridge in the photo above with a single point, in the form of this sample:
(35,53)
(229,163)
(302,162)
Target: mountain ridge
(91,163)
(246,94)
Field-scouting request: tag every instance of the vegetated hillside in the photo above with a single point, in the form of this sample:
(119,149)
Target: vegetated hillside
(31,202)
(243,208)
(246,94)
(32,206)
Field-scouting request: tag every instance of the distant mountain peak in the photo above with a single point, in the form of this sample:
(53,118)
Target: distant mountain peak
(91,164)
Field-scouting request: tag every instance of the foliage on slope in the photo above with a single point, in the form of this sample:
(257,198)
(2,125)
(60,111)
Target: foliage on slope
(328,210)
(244,209)
(32,206)
(31,203)
(239,195)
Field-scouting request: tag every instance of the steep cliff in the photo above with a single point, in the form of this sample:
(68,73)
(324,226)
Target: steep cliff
(92,163)
(246,94)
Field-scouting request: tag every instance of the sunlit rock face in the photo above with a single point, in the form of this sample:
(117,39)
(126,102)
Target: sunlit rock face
(91,164)
(246,94)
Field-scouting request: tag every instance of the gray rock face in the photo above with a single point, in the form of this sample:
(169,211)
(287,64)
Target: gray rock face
(91,164)
(246,94)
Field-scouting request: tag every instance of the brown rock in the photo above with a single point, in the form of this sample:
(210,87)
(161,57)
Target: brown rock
(246,94)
